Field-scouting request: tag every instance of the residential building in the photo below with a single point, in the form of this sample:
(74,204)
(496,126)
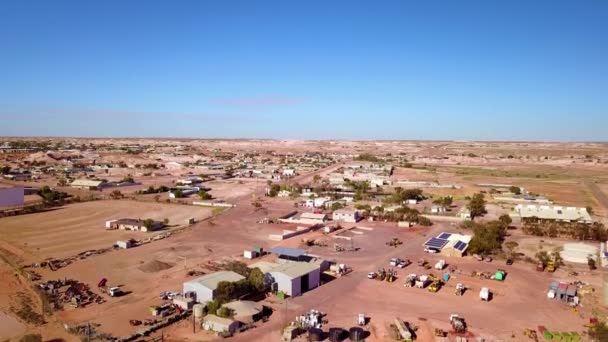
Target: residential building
(345,215)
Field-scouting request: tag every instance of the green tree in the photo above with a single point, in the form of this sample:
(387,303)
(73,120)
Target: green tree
(225,292)
(543,257)
(515,190)
(316,179)
(178,193)
(116,194)
(336,206)
(128,179)
(598,332)
(256,279)
(212,307)
(148,223)
(477,206)
(5,170)
(204,195)
(511,245)
(487,238)
(505,219)
(589,210)
(31,338)
(225,312)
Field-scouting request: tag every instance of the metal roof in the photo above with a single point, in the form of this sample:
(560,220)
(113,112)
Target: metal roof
(295,270)
(288,251)
(210,281)
(553,213)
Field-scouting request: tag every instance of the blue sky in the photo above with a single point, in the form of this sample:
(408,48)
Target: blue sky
(473,70)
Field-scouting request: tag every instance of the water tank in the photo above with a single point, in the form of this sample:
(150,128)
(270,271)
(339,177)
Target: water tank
(356,334)
(198,311)
(315,334)
(336,334)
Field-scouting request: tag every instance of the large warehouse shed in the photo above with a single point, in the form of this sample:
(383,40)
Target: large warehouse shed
(205,286)
(296,278)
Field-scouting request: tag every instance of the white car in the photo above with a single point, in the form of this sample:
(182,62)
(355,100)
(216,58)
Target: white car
(372,275)
(431,250)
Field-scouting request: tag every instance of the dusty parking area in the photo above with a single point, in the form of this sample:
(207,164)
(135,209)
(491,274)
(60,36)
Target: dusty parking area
(74,228)
(232,189)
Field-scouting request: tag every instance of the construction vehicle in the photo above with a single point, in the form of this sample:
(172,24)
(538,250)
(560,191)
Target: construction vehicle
(458,324)
(391,275)
(540,267)
(110,291)
(410,281)
(394,242)
(435,286)
(460,289)
(550,266)
(531,334)
(381,274)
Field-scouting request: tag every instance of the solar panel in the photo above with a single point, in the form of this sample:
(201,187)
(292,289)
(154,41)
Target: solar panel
(436,243)
(444,236)
(461,246)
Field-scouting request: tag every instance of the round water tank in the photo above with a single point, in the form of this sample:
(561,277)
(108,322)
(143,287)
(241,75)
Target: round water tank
(336,334)
(315,334)
(356,334)
(198,310)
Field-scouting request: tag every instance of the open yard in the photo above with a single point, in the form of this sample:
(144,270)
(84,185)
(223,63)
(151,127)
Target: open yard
(75,228)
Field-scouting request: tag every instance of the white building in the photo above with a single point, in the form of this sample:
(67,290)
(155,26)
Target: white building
(552,213)
(220,324)
(295,278)
(289,172)
(344,215)
(464,213)
(205,286)
(437,209)
(87,184)
(318,202)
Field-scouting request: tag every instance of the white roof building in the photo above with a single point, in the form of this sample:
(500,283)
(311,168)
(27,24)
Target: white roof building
(553,213)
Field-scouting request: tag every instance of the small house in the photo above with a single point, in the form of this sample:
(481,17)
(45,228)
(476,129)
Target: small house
(344,215)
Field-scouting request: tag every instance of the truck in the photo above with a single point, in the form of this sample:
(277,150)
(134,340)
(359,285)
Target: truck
(410,281)
(440,265)
(404,263)
(551,266)
(112,291)
(458,324)
(460,289)
(422,282)
(484,294)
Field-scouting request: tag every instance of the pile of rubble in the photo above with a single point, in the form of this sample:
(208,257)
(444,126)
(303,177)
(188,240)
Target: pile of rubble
(69,292)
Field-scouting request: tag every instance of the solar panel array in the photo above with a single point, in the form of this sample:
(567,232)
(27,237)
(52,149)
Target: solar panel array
(461,246)
(436,243)
(444,236)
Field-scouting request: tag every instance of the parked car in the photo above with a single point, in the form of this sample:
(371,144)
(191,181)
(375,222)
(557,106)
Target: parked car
(372,275)
(431,250)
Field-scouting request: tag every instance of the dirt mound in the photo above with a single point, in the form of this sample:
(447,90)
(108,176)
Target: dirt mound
(155,266)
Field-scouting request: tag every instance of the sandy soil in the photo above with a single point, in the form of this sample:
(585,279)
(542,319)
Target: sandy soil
(79,227)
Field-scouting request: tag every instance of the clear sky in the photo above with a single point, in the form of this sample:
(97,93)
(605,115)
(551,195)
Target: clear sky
(473,70)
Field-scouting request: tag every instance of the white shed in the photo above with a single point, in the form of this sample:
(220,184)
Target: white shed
(205,286)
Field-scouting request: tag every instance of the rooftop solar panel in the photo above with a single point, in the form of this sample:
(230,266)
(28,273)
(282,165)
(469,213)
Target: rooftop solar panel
(436,243)
(461,246)
(444,236)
